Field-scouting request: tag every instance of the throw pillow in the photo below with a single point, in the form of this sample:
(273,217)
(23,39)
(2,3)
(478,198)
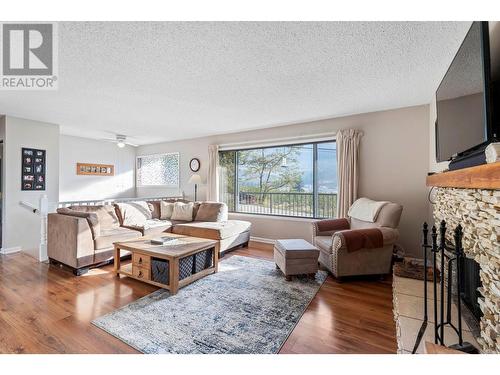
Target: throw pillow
(183,211)
(105,213)
(212,211)
(154,207)
(135,213)
(166,210)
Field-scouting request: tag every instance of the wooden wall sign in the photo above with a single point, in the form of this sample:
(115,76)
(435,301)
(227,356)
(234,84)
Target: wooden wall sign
(33,169)
(95,169)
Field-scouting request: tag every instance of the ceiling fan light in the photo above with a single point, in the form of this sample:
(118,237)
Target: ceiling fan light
(120,144)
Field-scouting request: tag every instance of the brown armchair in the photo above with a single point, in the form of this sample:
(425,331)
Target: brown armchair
(353,246)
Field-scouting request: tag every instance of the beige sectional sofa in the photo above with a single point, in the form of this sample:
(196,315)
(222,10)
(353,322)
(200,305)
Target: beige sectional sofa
(83,236)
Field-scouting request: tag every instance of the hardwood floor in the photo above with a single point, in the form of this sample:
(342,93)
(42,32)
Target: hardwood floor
(45,309)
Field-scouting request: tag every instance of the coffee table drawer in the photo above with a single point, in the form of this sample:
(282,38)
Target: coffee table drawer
(141,260)
(141,272)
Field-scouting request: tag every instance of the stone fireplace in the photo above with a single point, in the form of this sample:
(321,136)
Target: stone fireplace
(478,211)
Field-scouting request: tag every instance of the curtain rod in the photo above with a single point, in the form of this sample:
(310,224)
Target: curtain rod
(278,141)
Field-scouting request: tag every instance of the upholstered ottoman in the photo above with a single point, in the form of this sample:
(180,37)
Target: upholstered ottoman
(296,257)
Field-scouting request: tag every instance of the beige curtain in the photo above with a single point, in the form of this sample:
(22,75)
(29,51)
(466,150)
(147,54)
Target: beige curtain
(213,173)
(347,169)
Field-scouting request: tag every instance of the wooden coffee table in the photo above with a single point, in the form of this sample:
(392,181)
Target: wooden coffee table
(144,254)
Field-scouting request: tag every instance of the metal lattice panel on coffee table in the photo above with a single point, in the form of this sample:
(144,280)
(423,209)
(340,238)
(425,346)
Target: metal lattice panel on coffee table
(195,263)
(204,260)
(186,267)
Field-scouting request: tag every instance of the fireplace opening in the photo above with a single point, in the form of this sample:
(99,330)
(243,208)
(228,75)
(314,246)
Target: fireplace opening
(470,282)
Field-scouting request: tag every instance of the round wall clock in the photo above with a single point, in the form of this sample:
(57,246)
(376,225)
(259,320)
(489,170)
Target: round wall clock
(194,164)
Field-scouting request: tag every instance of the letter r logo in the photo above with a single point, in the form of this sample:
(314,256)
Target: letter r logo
(27,49)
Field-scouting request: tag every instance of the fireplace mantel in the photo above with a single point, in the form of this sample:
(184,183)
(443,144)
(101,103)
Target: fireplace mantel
(486,176)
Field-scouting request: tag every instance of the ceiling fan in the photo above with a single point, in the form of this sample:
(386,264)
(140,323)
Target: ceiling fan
(120,140)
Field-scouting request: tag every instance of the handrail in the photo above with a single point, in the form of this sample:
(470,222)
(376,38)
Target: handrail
(29,206)
(109,201)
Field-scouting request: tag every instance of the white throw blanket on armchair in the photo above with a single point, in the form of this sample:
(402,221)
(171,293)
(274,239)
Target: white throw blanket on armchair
(366,209)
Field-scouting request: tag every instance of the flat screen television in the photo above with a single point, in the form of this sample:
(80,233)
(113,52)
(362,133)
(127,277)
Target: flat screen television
(464,121)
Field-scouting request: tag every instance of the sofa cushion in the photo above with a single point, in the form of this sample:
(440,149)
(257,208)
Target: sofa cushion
(324,243)
(91,217)
(105,213)
(155,226)
(360,224)
(183,211)
(108,237)
(134,213)
(196,207)
(212,230)
(154,207)
(166,210)
(212,211)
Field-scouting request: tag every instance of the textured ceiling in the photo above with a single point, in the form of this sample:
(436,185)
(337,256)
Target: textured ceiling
(173,80)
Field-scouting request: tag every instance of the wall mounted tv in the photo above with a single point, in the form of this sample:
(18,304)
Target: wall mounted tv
(464,123)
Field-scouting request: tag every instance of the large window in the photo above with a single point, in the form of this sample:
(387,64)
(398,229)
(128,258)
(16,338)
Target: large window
(293,180)
(158,170)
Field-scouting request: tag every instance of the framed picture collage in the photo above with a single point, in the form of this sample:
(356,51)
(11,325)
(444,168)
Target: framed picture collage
(33,169)
(95,169)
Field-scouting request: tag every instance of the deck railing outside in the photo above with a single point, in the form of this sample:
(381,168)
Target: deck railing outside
(284,204)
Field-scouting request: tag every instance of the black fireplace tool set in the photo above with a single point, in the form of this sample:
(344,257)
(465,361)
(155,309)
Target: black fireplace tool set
(450,260)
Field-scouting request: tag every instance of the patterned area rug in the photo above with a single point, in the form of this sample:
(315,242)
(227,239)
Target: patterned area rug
(247,307)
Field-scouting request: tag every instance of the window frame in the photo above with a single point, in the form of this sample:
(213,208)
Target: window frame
(140,185)
(315,192)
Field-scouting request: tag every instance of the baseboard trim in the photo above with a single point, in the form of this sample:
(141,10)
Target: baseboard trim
(10,250)
(263,240)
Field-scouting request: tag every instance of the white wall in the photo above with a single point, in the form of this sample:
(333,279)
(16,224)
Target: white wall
(82,187)
(21,228)
(394,162)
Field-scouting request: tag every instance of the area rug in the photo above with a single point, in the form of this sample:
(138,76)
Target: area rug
(247,307)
